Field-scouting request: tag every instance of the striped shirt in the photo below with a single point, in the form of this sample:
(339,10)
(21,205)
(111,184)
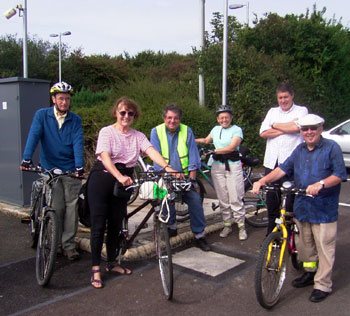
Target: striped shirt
(123,148)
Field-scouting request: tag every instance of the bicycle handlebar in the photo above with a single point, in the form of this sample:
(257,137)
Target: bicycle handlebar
(53,173)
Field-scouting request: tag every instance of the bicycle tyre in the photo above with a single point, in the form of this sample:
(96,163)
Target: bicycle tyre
(268,279)
(34,221)
(47,248)
(256,215)
(164,257)
(181,207)
(135,192)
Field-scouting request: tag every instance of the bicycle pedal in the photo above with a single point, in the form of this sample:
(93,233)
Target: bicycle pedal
(25,220)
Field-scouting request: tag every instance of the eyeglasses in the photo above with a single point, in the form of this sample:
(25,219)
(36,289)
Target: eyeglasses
(306,128)
(123,113)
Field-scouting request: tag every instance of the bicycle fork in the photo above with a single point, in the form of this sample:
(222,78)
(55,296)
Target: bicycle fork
(280,226)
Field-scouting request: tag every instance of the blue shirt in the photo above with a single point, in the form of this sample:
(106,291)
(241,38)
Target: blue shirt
(222,138)
(309,167)
(61,148)
(194,161)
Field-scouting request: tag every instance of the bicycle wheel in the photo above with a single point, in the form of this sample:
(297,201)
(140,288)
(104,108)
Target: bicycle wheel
(47,248)
(164,256)
(34,221)
(135,192)
(269,278)
(256,210)
(181,207)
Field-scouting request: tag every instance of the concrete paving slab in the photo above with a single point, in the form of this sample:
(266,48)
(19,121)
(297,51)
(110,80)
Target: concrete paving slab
(209,263)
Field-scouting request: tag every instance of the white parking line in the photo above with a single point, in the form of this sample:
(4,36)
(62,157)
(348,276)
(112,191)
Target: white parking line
(344,204)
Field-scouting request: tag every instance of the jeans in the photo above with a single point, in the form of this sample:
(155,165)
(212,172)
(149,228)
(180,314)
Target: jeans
(195,209)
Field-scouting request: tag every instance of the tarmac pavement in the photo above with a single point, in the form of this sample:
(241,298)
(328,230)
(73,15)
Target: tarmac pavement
(198,289)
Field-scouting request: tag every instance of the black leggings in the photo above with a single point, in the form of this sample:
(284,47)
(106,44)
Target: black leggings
(105,209)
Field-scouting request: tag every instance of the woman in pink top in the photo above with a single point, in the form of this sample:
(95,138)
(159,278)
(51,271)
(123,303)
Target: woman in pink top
(118,148)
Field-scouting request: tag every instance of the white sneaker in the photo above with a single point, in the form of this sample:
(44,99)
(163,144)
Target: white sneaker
(242,234)
(226,231)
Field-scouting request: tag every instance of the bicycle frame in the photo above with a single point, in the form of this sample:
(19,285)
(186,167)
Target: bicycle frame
(280,226)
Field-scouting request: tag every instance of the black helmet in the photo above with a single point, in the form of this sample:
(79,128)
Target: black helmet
(224,108)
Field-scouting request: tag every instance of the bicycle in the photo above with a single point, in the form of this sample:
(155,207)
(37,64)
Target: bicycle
(158,189)
(271,268)
(44,222)
(256,210)
(180,206)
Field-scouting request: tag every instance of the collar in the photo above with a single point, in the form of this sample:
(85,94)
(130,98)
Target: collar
(318,145)
(286,112)
(57,114)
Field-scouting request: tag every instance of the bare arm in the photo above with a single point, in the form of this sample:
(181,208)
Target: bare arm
(235,141)
(158,159)
(278,129)
(274,175)
(287,128)
(206,140)
(329,182)
(271,133)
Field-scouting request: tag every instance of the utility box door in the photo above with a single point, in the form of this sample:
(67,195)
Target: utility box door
(20,98)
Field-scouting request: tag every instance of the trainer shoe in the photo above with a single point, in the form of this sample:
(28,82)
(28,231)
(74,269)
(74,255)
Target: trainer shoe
(242,233)
(226,231)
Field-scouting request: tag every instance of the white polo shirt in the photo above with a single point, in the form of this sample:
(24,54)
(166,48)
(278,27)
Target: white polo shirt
(279,148)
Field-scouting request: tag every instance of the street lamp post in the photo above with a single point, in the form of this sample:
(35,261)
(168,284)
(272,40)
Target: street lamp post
(224,53)
(60,52)
(241,5)
(201,88)
(9,14)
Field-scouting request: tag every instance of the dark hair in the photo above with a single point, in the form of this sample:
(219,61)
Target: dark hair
(129,104)
(173,108)
(285,87)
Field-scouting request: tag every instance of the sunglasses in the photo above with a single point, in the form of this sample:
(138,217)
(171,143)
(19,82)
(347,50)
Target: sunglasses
(123,113)
(306,128)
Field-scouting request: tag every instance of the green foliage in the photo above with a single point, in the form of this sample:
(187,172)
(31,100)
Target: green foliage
(87,98)
(306,50)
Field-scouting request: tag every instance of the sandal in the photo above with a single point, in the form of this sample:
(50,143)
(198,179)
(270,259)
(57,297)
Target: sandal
(124,270)
(93,280)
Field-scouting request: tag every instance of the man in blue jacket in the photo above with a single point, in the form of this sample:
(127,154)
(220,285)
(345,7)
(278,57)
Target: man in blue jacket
(60,134)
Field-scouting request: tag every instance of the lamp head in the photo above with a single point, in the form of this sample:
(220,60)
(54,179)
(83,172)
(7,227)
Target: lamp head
(10,13)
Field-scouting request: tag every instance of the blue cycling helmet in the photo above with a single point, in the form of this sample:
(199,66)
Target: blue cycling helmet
(224,108)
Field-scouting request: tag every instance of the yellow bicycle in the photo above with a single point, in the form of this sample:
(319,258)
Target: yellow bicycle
(271,268)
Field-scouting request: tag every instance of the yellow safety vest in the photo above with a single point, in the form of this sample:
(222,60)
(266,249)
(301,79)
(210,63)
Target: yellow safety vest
(182,149)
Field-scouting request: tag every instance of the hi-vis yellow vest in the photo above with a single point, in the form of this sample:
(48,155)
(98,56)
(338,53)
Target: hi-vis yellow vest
(182,149)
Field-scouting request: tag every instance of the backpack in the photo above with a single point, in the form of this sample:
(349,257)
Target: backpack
(83,206)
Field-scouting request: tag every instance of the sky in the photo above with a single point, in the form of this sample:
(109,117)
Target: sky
(114,27)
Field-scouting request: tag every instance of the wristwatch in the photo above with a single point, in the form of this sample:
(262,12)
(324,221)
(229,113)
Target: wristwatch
(322,182)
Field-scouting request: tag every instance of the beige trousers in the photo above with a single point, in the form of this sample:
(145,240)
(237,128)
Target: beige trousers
(229,187)
(316,243)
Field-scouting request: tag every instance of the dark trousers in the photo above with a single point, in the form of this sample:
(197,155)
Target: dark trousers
(106,210)
(273,202)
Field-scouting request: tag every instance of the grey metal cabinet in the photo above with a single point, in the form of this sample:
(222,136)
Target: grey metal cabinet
(20,98)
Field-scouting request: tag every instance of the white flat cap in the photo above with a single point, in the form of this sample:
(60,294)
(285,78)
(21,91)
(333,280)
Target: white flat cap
(310,120)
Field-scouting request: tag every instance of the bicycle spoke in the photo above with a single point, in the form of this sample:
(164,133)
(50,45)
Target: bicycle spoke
(269,275)
(163,252)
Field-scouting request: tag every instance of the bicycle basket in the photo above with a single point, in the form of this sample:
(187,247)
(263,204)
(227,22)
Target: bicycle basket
(152,186)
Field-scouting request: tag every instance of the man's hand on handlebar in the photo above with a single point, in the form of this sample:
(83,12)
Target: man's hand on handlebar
(26,164)
(256,187)
(79,172)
